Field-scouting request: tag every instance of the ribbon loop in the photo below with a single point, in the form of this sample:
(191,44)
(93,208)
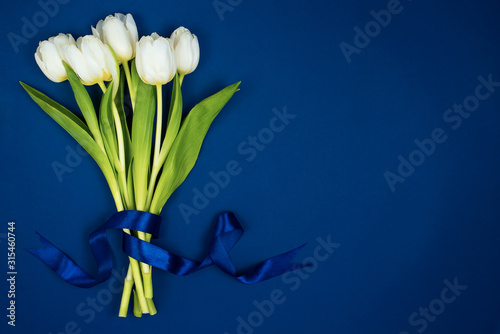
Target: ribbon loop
(227,232)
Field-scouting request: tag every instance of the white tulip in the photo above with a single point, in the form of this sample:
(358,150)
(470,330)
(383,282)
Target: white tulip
(155,60)
(91,60)
(120,33)
(50,55)
(187,50)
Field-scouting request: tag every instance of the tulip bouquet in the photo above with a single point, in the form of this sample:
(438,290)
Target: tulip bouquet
(145,162)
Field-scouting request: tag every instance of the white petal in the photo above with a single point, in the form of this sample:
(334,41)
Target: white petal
(179,32)
(132,28)
(60,41)
(147,64)
(113,67)
(49,55)
(98,30)
(93,48)
(79,42)
(117,36)
(86,68)
(195,49)
(44,69)
(183,54)
(71,40)
(161,59)
(95,32)
(138,58)
(141,59)
(120,17)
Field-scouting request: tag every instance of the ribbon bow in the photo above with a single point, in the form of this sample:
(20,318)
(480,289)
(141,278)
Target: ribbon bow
(227,232)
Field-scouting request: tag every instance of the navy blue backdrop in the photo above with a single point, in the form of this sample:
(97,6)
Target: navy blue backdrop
(368,129)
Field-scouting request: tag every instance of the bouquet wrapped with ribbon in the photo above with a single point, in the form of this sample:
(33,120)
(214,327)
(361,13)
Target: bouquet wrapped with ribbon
(143,155)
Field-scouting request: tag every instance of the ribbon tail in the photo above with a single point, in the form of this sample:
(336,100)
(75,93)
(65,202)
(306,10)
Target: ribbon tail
(227,233)
(62,265)
(273,267)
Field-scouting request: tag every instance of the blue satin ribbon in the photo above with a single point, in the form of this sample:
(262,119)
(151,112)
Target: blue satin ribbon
(227,232)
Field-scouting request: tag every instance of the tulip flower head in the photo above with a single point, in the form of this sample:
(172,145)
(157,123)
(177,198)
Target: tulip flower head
(155,60)
(92,60)
(50,55)
(187,50)
(120,33)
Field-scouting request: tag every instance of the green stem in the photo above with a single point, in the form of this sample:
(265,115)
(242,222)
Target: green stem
(152,182)
(118,201)
(148,282)
(151,305)
(117,197)
(119,136)
(134,271)
(137,308)
(124,188)
(146,269)
(156,159)
(172,130)
(121,156)
(127,290)
(147,272)
(139,288)
(103,86)
(94,126)
(131,89)
(159,122)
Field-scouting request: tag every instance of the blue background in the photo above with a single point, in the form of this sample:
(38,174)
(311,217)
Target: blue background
(322,176)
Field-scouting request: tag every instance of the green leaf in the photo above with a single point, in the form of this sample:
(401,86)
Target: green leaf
(84,103)
(174,121)
(187,145)
(80,132)
(123,119)
(121,91)
(142,136)
(135,76)
(130,184)
(114,67)
(47,102)
(107,126)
